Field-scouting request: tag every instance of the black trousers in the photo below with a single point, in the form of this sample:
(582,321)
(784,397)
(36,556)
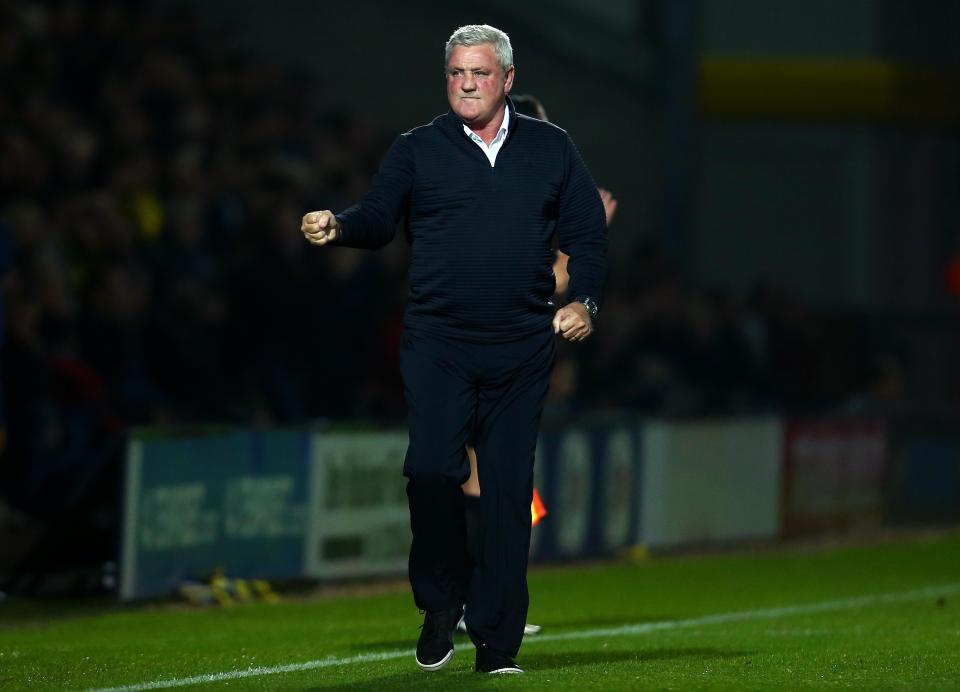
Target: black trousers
(491,395)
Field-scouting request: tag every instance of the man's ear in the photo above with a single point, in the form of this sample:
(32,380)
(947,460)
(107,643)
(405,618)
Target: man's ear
(508,83)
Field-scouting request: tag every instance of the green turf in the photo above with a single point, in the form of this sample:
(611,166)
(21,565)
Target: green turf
(905,644)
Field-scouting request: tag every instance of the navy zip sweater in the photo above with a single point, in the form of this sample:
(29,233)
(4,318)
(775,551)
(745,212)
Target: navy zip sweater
(481,235)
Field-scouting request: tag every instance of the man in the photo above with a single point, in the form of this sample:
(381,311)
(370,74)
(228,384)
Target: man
(483,192)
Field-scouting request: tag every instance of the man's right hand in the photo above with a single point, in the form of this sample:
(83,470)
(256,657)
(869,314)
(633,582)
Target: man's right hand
(320,227)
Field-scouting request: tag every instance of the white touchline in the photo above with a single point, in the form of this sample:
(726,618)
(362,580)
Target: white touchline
(642,628)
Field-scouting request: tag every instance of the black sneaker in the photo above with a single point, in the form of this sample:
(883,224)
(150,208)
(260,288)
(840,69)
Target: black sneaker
(494,662)
(435,646)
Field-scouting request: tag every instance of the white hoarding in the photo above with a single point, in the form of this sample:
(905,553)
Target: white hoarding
(710,481)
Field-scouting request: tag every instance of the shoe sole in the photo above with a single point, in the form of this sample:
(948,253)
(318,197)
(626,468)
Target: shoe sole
(435,666)
(505,671)
(527,629)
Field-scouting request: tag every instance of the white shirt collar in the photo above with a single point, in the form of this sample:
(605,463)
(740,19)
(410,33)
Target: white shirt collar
(494,148)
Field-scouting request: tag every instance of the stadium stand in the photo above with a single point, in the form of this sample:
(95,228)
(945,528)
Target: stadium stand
(155,274)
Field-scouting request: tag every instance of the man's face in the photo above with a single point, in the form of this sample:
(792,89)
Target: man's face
(476,84)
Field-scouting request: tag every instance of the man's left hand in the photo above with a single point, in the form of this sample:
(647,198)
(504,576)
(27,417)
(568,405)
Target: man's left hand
(573,322)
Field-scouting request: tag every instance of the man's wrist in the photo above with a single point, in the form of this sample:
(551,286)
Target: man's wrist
(593,309)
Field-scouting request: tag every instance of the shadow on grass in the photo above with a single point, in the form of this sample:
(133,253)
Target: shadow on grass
(553,627)
(460,674)
(551,661)
(35,613)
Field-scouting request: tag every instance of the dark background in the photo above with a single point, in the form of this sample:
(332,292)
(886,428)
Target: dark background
(786,239)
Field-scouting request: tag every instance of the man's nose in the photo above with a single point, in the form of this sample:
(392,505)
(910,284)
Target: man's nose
(468,83)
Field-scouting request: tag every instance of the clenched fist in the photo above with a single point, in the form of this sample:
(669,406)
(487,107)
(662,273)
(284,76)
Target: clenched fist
(573,322)
(320,227)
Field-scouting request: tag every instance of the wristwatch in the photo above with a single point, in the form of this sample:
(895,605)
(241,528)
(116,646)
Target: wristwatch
(589,303)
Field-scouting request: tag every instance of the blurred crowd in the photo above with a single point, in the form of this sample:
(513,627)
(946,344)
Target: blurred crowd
(668,347)
(152,267)
(153,272)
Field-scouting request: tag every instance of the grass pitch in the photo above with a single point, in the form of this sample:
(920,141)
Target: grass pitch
(875,618)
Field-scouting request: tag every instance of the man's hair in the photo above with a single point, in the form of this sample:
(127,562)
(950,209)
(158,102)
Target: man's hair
(478,34)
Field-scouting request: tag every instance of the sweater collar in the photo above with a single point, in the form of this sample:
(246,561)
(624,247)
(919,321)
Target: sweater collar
(451,123)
